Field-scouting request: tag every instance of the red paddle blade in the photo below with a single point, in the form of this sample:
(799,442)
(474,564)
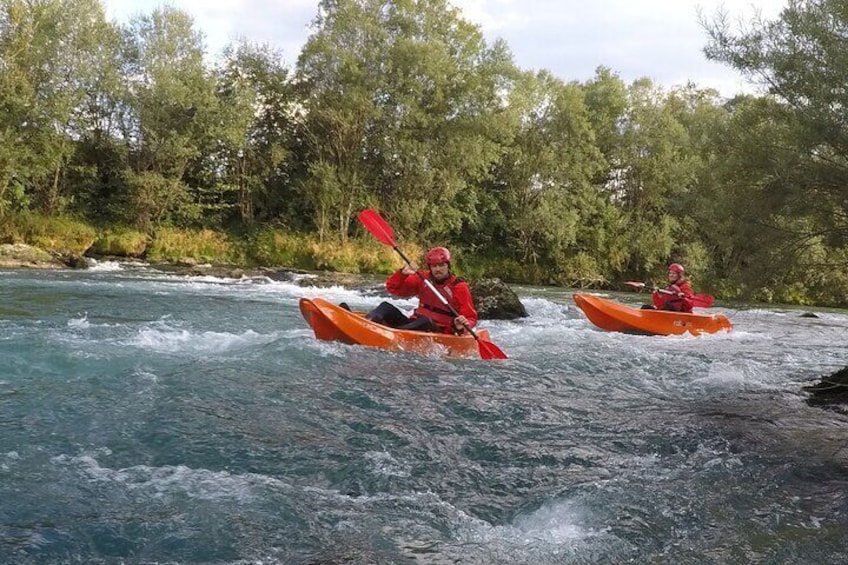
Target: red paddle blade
(635,284)
(489,350)
(378,227)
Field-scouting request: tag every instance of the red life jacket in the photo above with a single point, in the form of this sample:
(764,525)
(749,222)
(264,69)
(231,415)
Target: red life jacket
(672,301)
(454,289)
(430,305)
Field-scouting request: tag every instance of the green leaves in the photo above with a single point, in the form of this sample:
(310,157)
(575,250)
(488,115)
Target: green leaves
(402,107)
(791,152)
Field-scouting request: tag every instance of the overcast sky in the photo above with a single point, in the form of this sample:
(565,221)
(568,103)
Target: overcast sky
(659,39)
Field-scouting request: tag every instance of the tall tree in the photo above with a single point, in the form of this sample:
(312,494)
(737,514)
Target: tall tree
(654,169)
(51,53)
(257,109)
(546,174)
(173,121)
(801,59)
(402,110)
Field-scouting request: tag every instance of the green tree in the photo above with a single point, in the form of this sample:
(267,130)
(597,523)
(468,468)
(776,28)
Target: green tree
(403,108)
(257,109)
(51,55)
(653,168)
(172,123)
(801,59)
(545,176)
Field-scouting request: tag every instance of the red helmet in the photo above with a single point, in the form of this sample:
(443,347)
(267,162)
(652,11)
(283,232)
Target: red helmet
(675,268)
(438,255)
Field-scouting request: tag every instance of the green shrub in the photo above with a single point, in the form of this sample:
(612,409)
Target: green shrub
(59,234)
(285,249)
(508,270)
(121,243)
(171,244)
(280,249)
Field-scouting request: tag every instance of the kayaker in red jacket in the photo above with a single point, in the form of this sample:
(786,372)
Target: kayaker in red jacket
(431,315)
(677,296)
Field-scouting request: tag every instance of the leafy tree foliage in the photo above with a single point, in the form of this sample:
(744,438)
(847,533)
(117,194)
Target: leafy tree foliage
(402,109)
(402,105)
(51,54)
(174,109)
(257,111)
(800,59)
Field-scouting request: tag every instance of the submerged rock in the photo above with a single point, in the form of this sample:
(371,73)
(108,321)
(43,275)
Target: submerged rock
(494,300)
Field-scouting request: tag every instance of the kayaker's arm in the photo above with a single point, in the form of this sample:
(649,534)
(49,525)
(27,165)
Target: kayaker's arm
(403,285)
(462,294)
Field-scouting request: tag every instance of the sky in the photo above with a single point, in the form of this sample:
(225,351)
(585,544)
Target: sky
(659,39)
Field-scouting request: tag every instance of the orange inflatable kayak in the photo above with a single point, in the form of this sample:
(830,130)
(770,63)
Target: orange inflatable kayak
(333,323)
(615,317)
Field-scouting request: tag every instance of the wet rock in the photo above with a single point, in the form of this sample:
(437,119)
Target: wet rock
(830,390)
(74,261)
(809,315)
(285,275)
(18,255)
(494,300)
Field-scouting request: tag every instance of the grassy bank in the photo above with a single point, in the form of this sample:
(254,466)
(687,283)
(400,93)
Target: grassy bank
(274,248)
(262,248)
(265,248)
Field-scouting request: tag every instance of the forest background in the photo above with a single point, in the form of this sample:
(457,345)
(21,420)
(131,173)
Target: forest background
(121,140)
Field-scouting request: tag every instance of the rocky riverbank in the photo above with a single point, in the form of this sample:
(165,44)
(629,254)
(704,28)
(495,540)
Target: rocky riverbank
(494,299)
(20,255)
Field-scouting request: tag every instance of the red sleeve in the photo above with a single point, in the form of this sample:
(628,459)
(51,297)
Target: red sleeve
(402,285)
(686,289)
(462,294)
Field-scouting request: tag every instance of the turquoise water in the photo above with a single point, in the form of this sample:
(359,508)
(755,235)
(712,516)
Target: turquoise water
(150,418)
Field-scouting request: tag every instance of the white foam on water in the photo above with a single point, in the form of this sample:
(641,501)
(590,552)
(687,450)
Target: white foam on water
(79,323)
(555,524)
(744,375)
(382,463)
(112,266)
(172,340)
(146,376)
(170,480)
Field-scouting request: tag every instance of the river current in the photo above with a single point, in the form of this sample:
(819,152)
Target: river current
(155,418)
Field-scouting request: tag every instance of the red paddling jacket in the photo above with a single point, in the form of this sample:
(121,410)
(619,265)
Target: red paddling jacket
(673,302)
(454,289)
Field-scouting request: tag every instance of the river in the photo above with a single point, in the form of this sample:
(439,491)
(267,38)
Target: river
(154,418)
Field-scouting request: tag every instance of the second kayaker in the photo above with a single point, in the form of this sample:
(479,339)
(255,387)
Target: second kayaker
(431,315)
(677,296)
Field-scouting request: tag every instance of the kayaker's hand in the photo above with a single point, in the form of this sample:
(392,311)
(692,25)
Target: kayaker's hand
(410,269)
(460,322)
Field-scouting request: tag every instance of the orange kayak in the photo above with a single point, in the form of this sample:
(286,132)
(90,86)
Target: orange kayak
(615,317)
(333,323)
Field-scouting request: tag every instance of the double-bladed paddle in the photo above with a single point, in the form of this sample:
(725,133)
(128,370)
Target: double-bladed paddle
(380,229)
(701,300)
